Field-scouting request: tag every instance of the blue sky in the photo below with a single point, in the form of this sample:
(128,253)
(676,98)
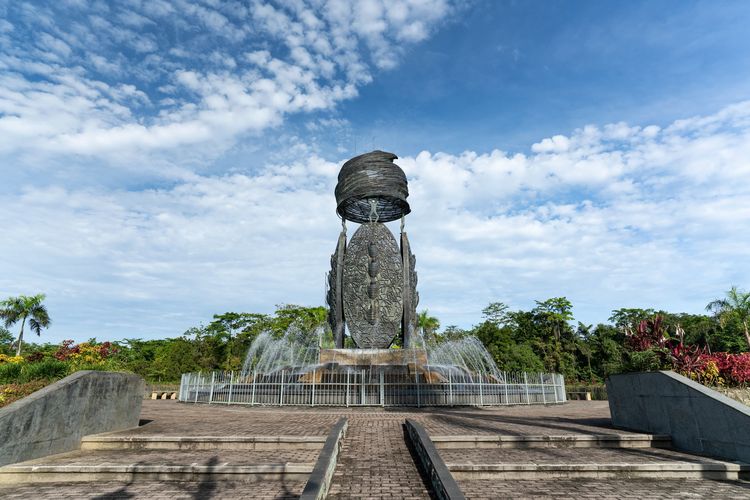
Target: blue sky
(165,161)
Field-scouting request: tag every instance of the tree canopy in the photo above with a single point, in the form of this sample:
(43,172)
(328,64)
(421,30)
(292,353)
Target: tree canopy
(21,308)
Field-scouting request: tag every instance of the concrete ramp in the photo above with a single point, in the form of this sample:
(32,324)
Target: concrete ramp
(698,419)
(55,418)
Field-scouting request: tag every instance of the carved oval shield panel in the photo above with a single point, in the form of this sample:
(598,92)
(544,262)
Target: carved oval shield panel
(373,286)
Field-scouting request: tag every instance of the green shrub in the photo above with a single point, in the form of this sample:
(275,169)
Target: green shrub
(21,373)
(9,372)
(644,361)
(48,369)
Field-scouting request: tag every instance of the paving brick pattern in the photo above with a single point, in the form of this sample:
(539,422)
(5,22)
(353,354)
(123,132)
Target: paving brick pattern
(599,456)
(613,489)
(575,417)
(170,418)
(224,490)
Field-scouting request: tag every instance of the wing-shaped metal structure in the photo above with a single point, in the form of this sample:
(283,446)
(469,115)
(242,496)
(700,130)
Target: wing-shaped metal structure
(411,297)
(335,288)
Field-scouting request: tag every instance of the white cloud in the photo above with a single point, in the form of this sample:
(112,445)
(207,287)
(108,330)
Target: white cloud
(555,144)
(61,95)
(624,216)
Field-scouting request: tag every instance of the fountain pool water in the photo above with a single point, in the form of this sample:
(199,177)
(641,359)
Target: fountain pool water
(301,368)
(304,352)
(295,349)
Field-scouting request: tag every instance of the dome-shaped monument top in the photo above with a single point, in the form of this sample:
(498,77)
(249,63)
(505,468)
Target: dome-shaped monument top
(372,188)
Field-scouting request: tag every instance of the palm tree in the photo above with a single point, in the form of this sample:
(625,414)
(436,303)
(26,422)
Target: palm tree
(736,305)
(21,308)
(427,324)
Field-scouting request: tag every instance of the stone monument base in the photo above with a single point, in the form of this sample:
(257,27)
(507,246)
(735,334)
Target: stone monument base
(374,357)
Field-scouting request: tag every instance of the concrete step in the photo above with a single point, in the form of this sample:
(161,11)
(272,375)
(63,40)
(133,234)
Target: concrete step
(164,465)
(730,472)
(629,440)
(194,443)
(591,489)
(611,463)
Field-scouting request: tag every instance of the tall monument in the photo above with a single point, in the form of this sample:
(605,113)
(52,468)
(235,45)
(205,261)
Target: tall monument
(372,285)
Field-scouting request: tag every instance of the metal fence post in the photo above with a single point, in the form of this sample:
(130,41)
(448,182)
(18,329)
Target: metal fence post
(211,391)
(544,392)
(554,385)
(416,377)
(313,387)
(450,387)
(382,389)
(526,386)
(481,395)
(255,376)
(197,379)
(231,377)
(505,380)
(347,388)
(281,392)
(362,388)
(555,381)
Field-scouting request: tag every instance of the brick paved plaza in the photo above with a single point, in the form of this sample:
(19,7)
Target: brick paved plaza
(375,460)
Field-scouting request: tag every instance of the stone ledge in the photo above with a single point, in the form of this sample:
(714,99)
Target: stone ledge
(684,470)
(647,467)
(96,438)
(553,441)
(108,442)
(131,472)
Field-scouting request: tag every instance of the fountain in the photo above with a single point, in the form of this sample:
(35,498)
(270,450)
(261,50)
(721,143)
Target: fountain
(372,296)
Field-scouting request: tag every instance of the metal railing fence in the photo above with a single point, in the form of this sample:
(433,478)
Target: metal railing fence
(370,387)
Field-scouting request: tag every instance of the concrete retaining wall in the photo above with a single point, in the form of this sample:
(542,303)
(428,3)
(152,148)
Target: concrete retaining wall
(697,418)
(55,418)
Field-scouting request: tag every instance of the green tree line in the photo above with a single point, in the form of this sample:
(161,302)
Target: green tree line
(544,338)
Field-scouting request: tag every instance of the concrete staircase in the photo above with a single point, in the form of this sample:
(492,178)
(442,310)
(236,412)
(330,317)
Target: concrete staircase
(515,452)
(572,456)
(134,458)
